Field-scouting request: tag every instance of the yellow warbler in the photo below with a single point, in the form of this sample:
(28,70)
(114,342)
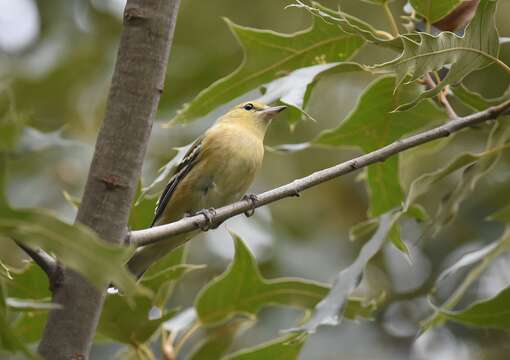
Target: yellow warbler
(218,169)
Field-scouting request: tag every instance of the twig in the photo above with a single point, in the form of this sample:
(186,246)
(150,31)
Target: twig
(41,258)
(391,18)
(443,100)
(165,232)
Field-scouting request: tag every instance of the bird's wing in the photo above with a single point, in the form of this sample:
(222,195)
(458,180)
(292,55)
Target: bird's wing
(183,168)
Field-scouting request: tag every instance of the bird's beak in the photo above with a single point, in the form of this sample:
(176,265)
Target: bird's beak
(271,112)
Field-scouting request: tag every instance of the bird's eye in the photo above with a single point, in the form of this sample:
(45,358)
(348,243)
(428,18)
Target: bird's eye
(248,107)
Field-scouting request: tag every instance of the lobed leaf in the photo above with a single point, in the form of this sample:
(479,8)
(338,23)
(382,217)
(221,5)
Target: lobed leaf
(295,89)
(476,101)
(145,315)
(328,310)
(372,125)
(423,53)
(269,55)
(242,290)
(351,25)
(76,246)
(130,324)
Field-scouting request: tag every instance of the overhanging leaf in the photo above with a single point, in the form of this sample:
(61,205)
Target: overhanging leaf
(370,126)
(423,53)
(75,246)
(326,312)
(269,55)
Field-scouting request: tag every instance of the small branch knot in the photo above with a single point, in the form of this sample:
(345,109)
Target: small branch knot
(134,15)
(112,181)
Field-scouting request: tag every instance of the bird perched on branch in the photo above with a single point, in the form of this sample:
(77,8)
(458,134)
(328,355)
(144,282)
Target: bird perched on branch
(218,169)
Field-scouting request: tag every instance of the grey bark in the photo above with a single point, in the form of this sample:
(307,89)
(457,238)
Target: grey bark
(136,86)
(168,232)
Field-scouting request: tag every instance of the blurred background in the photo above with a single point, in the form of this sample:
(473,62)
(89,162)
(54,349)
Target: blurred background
(56,60)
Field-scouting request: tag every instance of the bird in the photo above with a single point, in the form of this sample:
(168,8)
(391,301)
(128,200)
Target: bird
(217,170)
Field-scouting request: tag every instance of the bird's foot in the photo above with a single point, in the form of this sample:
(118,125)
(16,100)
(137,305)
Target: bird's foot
(252,199)
(210,219)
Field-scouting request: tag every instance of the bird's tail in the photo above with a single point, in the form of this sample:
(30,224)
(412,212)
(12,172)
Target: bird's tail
(145,256)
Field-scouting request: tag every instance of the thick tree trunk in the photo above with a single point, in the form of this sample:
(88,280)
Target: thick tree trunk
(133,99)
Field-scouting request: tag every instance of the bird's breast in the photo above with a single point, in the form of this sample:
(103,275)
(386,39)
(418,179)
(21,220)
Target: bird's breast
(234,160)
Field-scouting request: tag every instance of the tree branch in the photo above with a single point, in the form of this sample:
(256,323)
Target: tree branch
(135,90)
(41,258)
(166,232)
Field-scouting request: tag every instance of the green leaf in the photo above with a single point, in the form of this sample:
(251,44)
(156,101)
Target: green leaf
(351,25)
(295,89)
(10,341)
(326,312)
(424,53)
(286,348)
(372,125)
(162,283)
(242,290)
(130,324)
(502,215)
(157,186)
(434,10)
(269,55)
(146,315)
(218,341)
(471,175)
(478,261)
(30,283)
(492,313)
(76,246)
(476,166)
(11,122)
(476,101)
(468,259)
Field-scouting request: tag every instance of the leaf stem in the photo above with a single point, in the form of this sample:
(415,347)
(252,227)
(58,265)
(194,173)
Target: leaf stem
(185,337)
(391,19)
(436,318)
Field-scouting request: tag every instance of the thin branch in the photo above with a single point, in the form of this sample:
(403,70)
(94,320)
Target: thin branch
(443,100)
(391,18)
(41,258)
(166,232)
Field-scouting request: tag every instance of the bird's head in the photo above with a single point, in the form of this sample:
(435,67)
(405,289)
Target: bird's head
(252,114)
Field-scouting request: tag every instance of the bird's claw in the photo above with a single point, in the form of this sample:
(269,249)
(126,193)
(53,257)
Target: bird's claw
(209,215)
(252,199)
